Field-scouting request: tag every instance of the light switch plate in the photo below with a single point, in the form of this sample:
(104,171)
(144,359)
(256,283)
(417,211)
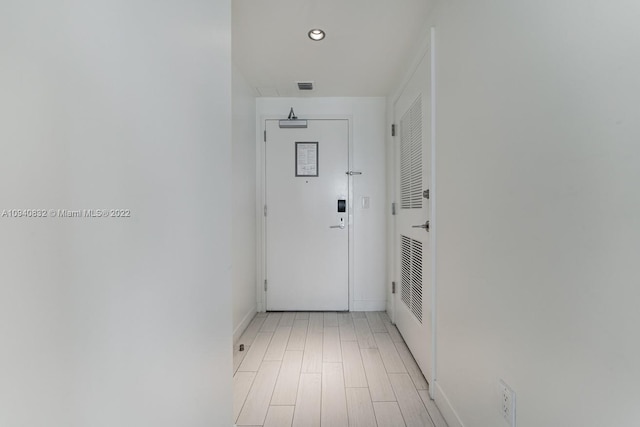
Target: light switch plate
(366,202)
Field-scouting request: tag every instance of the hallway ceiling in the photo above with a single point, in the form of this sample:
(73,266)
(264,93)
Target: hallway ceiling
(360,56)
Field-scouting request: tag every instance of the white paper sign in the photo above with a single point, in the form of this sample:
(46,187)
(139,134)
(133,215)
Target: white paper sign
(306,159)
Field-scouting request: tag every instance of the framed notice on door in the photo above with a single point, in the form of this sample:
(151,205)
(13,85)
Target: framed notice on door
(306,159)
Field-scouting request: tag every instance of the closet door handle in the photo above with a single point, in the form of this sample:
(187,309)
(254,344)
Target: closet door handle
(425,226)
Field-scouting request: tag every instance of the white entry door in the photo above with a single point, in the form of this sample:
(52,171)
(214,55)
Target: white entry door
(307,218)
(413,254)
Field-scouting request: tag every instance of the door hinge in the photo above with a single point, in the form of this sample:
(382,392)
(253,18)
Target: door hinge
(265,210)
(393,287)
(425,193)
(265,136)
(393,130)
(393,208)
(265,285)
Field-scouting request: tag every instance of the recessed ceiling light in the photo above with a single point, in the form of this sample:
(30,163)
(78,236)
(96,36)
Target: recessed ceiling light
(316,34)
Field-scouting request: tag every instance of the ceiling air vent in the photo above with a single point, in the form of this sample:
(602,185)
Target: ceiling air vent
(305,85)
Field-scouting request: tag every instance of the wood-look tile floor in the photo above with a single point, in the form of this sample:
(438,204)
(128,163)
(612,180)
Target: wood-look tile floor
(328,369)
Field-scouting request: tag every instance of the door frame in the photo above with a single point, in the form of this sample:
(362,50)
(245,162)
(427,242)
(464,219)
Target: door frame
(261,191)
(428,47)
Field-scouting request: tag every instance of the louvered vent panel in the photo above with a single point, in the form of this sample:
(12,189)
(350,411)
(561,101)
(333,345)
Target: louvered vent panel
(305,85)
(406,271)
(416,280)
(411,294)
(411,157)
(405,166)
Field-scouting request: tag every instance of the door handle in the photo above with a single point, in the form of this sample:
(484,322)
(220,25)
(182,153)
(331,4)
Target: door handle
(341,226)
(425,226)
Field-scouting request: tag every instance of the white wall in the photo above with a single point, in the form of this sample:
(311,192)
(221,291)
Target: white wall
(243,220)
(538,211)
(114,321)
(369,239)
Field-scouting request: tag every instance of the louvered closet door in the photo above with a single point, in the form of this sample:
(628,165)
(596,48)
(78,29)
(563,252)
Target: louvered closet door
(413,270)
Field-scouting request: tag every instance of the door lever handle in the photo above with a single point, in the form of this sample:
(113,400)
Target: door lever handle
(341,226)
(425,226)
(352,173)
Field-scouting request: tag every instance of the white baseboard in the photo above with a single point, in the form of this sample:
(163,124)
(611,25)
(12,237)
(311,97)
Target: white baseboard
(375,305)
(446,409)
(238,330)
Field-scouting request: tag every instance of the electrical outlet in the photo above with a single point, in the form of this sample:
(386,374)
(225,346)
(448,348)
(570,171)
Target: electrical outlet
(508,403)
